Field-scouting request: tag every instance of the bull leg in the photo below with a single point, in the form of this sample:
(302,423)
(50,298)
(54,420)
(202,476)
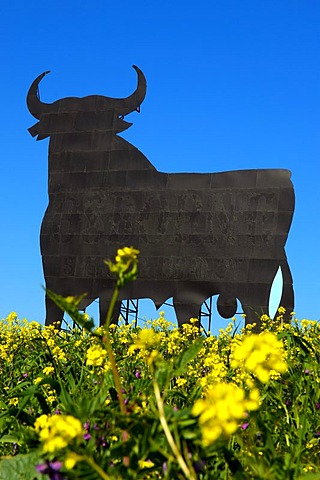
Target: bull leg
(53,313)
(256,303)
(185,311)
(103,311)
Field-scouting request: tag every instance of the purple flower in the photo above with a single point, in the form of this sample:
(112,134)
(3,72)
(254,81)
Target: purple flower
(87,436)
(52,469)
(137,374)
(317,435)
(244,426)
(25,375)
(101,442)
(126,401)
(288,402)
(306,371)
(57,412)
(86,425)
(317,405)
(199,466)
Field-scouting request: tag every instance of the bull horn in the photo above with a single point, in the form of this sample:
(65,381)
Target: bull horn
(35,106)
(127,105)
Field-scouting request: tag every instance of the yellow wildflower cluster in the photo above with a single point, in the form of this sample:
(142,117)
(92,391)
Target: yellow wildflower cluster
(48,370)
(15,333)
(178,338)
(307,324)
(145,344)
(146,339)
(161,323)
(261,354)
(96,356)
(50,335)
(57,431)
(220,412)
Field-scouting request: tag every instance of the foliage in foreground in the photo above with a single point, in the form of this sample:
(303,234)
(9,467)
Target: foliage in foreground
(158,402)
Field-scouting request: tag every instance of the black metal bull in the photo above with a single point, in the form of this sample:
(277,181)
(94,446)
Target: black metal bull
(199,234)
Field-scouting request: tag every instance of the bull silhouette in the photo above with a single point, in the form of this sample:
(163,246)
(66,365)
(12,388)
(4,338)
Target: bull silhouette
(199,234)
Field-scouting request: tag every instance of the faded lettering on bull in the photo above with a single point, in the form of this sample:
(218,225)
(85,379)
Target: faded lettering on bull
(199,234)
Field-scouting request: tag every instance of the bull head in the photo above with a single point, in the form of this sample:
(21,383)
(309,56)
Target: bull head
(108,112)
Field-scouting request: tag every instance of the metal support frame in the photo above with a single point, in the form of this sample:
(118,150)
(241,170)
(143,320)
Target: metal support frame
(206,312)
(129,308)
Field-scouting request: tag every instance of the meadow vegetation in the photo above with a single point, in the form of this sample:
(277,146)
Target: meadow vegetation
(158,402)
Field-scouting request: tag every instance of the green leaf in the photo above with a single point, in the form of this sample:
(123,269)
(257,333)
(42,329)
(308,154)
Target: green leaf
(9,439)
(163,376)
(185,357)
(20,467)
(53,384)
(234,465)
(70,306)
(43,403)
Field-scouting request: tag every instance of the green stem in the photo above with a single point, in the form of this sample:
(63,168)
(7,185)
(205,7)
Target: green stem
(96,467)
(111,356)
(184,467)
(111,305)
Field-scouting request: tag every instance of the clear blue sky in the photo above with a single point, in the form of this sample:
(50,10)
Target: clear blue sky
(231,85)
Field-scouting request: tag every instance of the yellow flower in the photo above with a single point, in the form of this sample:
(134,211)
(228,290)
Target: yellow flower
(221,410)
(96,356)
(180,382)
(126,265)
(50,343)
(48,370)
(308,468)
(57,431)
(145,464)
(12,317)
(71,459)
(261,354)
(305,324)
(147,338)
(127,254)
(51,398)
(59,354)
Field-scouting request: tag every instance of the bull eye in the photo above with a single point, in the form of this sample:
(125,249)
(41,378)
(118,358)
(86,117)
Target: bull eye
(227,306)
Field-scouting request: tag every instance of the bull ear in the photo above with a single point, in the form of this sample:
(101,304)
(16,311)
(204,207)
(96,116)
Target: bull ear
(35,106)
(34,130)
